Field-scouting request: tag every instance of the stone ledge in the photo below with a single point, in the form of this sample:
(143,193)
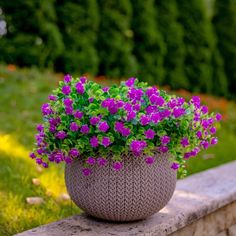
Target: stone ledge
(195,197)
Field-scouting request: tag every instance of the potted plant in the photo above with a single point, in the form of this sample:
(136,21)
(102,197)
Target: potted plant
(122,145)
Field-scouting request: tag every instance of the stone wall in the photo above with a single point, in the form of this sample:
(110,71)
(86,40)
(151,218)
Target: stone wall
(221,222)
(203,204)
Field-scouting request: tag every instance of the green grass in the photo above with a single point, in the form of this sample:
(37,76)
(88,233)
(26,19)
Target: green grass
(22,93)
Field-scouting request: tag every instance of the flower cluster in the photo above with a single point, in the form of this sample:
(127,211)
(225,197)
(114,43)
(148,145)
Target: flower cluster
(84,120)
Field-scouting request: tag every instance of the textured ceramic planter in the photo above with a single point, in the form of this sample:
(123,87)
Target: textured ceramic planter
(135,192)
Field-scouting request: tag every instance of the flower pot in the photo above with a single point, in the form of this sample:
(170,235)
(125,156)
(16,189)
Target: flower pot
(135,192)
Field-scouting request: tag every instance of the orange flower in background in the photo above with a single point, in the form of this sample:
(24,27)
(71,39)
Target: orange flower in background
(11,67)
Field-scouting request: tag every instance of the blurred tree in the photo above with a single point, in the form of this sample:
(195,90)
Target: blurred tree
(224,21)
(220,83)
(115,39)
(78,21)
(173,34)
(149,47)
(198,39)
(33,37)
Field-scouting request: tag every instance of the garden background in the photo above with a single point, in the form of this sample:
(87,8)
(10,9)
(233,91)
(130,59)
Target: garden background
(187,47)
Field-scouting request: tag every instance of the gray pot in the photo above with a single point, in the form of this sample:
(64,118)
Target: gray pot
(135,192)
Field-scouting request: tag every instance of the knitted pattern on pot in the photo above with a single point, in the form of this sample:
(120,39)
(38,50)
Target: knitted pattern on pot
(135,192)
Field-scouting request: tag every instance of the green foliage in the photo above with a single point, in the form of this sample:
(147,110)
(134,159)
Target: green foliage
(115,39)
(78,22)
(224,21)
(198,42)
(173,34)
(149,47)
(33,37)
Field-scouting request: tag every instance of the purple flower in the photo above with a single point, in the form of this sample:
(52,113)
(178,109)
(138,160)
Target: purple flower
(52,98)
(69,110)
(45,165)
(175,166)
(55,121)
(58,157)
(196,101)
(137,107)
(163,149)
(137,146)
(128,107)
(205,124)
(91,100)
(78,114)
(199,134)
(106,141)
(135,94)
(91,161)
(83,79)
(157,100)
(204,144)
(165,113)
(177,112)
(40,151)
(61,135)
(119,126)
(204,109)
(94,141)
(196,117)
(68,102)
(214,141)
(218,117)
(39,161)
(149,134)
(94,120)
(46,109)
(125,132)
(103,126)
(66,90)
(149,160)
(52,129)
(79,88)
(120,103)
(68,160)
(213,130)
(67,78)
(155,118)
(102,161)
(165,139)
(151,91)
(144,120)
(74,152)
(32,155)
(187,155)
(113,108)
(105,89)
(86,171)
(130,82)
(117,165)
(184,142)
(74,127)
(40,127)
(84,129)
(131,115)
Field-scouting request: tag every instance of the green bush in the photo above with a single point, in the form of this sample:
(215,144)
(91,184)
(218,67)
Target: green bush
(78,21)
(198,42)
(149,47)
(33,37)
(115,39)
(224,21)
(173,33)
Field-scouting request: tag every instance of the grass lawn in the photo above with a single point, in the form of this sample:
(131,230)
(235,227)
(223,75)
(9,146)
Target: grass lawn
(22,93)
